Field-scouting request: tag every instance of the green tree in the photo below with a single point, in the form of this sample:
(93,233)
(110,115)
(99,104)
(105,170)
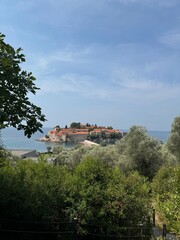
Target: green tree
(169,158)
(107,154)
(57,128)
(173,142)
(88,196)
(104,200)
(57,150)
(166,196)
(33,191)
(5,156)
(103,135)
(75,125)
(99,195)
(140,152)
(16,110)
(115,136)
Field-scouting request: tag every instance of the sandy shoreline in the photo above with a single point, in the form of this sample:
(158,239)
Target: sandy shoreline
(89,143)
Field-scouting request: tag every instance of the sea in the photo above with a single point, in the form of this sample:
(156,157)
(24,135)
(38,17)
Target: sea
(14,139)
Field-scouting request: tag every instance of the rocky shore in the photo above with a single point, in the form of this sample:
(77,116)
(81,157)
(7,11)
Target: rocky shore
(44,139)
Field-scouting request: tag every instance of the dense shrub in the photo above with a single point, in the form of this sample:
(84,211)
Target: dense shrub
(166,196)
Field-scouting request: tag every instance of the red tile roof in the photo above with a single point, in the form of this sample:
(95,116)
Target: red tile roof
(53,131)
(79,133)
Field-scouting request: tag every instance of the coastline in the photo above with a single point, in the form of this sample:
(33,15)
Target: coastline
(13,139)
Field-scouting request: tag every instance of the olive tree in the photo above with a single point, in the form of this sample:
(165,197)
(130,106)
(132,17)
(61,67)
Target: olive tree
(138,151)
(173,142)
(16,109)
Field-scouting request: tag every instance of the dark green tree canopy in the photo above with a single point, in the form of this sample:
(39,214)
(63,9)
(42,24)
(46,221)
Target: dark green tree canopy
(75,125)
(16,110)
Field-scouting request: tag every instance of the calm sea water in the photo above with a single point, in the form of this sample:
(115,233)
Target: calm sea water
(13,139)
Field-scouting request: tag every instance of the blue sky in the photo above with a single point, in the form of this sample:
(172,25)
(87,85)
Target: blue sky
(106,62)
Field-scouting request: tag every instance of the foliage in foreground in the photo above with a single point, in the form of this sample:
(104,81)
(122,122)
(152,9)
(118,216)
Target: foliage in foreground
(166,196)
(94,193)
(104,196)
(16,109)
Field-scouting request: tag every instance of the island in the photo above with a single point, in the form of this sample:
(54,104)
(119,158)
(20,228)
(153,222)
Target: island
(79,133)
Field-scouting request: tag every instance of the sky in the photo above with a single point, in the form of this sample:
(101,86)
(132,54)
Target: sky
(105,62)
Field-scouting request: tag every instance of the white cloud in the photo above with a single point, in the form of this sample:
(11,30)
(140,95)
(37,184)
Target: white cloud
(82,85)
(136,85)
(143,78)
(171,38)
(67,83)
(125,86)
(68,54)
